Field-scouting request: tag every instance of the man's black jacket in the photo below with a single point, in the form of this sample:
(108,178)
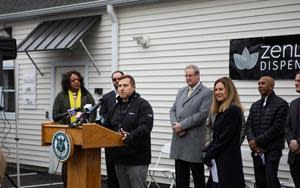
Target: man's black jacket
(136,118)
(266,124)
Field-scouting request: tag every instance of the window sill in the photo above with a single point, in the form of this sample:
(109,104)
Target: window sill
(8,115)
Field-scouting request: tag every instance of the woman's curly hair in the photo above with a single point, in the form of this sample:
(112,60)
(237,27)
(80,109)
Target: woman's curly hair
(65,82)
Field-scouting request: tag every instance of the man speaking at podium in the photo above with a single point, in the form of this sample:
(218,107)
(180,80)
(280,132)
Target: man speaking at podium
(132,116)
(73,95)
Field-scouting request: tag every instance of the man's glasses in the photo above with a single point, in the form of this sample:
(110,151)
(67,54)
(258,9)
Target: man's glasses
(189,75)
(115,79)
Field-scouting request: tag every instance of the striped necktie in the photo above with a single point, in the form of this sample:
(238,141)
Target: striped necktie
(190,92)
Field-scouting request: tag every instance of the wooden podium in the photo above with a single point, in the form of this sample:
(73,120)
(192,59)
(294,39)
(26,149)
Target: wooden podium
(84,167)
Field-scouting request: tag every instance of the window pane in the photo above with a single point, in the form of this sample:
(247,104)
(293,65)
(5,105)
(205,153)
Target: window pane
(9,101)
(9,81)
(7,97)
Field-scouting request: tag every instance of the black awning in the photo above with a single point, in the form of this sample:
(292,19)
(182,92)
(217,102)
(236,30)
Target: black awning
(57,34)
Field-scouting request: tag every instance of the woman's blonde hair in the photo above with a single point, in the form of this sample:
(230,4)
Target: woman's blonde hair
(232,96)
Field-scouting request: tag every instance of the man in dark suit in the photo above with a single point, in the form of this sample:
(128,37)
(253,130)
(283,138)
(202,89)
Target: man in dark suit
(109,100)
(292,133)
(188,116)
(266,133)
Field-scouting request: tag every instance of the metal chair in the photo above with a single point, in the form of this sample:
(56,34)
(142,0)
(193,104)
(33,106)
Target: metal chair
(167,172)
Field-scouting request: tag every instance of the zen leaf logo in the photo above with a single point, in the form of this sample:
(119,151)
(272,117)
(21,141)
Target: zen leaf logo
(246,60)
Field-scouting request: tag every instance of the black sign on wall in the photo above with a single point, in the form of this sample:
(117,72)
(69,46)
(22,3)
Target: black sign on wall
(252,58)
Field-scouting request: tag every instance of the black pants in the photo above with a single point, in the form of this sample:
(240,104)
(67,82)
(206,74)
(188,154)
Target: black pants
(266,174)
(64,174)
(210,183)
(215,185)
(182,171)
(295,171)
(112,179)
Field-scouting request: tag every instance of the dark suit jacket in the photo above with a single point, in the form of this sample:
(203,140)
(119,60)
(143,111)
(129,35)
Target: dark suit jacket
(109,100)
(292,128)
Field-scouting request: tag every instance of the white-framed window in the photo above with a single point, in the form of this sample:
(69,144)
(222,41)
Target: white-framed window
(7,94)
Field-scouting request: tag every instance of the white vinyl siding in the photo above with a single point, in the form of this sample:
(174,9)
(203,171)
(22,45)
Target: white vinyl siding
(185,32)
(29,120)
(182,32)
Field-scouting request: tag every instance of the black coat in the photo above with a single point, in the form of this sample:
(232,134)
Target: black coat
(136,118)
(266,124)
(225,148)
(292,130)
(62,105)
(108,102)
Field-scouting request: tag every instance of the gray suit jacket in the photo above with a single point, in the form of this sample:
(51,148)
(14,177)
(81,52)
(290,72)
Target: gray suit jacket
(292,128)
(191,112)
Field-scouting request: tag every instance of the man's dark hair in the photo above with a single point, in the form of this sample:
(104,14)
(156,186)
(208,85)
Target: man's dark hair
(132,81)
(65,82)
(117,71)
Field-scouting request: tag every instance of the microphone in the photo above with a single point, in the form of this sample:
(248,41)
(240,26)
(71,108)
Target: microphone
(86,109)
(71,112)
(94,108)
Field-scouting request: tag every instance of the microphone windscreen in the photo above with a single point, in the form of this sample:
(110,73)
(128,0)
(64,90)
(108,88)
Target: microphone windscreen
(72,112)
(88,107)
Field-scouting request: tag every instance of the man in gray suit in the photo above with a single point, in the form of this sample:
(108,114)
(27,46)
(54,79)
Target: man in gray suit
(292,133)
(188,116)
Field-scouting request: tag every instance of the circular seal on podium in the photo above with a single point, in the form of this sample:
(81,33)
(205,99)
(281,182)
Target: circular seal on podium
(62,146)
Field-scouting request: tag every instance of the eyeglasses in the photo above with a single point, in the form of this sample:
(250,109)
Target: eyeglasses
(115,79)
(189,75)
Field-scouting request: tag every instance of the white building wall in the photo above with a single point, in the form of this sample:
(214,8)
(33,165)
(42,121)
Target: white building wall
(182,32)
(198,32)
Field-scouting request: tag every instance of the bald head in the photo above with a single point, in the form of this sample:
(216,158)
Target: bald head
(266,85)
(268,79)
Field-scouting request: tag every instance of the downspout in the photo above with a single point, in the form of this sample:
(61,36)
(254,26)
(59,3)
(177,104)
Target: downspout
(16,75)
(114,37)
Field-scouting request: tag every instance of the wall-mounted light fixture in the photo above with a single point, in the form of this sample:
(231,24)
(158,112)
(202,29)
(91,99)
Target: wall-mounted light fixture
(143,40)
